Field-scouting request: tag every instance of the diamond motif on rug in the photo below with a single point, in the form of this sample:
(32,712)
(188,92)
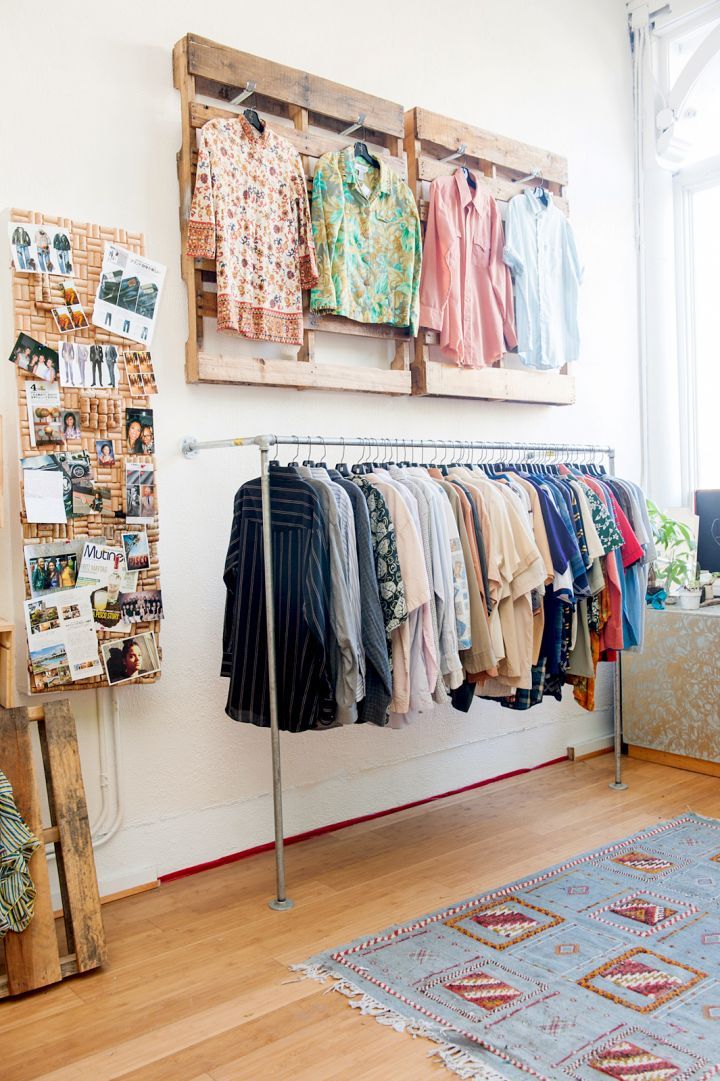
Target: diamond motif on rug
(628,1062)
(642,979)
(644,861)
(634,908)
(637,972)
(506,921)
(484,990)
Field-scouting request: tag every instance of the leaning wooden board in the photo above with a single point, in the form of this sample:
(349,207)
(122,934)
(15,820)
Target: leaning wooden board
(102,410)
(37,957)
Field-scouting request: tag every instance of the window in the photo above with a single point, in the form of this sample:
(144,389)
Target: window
(698,248)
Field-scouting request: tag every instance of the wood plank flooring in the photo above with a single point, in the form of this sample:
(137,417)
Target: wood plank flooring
(197,987)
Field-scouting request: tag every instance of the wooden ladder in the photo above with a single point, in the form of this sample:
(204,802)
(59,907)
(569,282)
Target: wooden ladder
(33,958)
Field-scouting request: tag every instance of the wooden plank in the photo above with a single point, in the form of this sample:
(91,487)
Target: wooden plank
(310,144)
(32,958)
(449,134)
(66,796)
(500,187)
(302,376)
(7,664)
(233,68)
(678,761)
(186,85)
(496,384)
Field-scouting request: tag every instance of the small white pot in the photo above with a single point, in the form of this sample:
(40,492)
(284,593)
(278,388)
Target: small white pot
(689,600)
(716,587)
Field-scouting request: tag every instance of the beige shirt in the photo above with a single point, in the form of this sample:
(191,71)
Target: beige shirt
(417,594)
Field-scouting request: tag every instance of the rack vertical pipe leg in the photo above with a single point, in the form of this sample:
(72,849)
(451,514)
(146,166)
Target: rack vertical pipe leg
(280,902)
(618,783)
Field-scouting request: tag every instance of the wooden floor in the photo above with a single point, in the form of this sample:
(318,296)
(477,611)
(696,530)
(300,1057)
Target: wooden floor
(198,988)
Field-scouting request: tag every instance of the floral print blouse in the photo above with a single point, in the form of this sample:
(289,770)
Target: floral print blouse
(250,213)
(367,235)
(387,563)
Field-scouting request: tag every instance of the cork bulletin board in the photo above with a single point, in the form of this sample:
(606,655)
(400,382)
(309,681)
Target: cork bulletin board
(101,413)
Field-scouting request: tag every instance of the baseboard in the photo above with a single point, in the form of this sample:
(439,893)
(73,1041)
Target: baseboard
(590,748)
(677,761)
(332,827)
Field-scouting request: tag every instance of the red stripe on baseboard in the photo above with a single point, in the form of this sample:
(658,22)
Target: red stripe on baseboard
(233,857)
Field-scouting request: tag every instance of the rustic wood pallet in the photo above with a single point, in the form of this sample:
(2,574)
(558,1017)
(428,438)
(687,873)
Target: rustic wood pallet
(7,663)
(37,957)
(102,410)
(503,162)
(311,113)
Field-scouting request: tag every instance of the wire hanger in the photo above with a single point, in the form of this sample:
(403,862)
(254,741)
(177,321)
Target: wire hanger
(360,148)
(250,114)
(341,466)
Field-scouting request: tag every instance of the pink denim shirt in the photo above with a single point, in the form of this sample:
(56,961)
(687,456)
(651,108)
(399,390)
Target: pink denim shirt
(466,289)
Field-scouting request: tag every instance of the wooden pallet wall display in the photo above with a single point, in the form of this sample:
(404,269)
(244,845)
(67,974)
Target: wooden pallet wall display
(311,113)
(503,162)
(102,411)
(37,957)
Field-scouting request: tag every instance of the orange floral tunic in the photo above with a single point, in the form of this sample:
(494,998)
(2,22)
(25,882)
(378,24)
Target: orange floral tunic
(250,212)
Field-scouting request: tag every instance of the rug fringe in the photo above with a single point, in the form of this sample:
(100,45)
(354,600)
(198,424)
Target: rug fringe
(461,1062)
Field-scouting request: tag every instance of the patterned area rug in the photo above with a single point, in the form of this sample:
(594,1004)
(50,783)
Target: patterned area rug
(606,966)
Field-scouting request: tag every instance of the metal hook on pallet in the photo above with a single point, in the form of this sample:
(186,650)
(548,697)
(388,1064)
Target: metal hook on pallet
(459,153)
(249,89)
(359,123)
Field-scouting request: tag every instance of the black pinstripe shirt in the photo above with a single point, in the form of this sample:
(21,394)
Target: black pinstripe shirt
(301,588)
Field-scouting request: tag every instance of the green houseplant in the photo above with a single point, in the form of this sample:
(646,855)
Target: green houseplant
(676,562)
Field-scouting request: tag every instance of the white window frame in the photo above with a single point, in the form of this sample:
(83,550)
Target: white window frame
(686,183)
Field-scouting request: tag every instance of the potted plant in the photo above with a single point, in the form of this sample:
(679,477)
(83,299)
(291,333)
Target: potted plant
(690,594)
(676,563)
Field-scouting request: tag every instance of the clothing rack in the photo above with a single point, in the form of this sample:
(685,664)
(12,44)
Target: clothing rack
(519,452)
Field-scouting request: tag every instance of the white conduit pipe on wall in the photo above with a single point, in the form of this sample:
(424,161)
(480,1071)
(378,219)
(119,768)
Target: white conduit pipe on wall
(102,832)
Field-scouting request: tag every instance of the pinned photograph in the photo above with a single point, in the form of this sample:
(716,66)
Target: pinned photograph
(140,374)
(137,550)
(139,431)
(63,319)
(50,667)
(42,616)
(71,432)
(130,658)
(106,604)
(142,607)
(44,413)
(105,451)
(140,506)
(70,293)
(35,359)
(40,249)
(54,566)
(128,294)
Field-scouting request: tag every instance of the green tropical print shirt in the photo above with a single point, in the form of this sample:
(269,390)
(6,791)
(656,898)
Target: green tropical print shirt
(367,237)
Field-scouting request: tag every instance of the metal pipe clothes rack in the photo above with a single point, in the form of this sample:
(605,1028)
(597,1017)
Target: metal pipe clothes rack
(521,452)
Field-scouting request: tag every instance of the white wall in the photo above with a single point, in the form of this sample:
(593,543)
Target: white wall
(92,133)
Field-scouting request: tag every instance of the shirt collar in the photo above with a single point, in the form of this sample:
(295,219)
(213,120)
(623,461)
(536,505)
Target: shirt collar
(349,172)
(535,204)
(467,194)
(251,132)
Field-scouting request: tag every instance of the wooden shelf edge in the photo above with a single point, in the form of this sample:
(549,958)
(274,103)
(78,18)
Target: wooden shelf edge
(497,384)
(300,375)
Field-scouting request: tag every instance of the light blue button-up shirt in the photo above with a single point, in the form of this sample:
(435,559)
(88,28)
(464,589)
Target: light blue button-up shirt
(540,250)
